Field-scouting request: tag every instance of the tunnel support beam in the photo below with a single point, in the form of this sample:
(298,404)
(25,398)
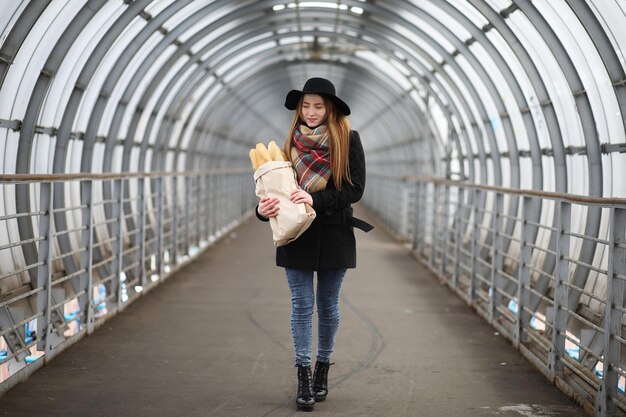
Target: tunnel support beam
(559,313)
(608,392)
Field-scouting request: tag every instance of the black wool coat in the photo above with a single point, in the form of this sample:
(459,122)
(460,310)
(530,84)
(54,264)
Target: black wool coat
(329,242)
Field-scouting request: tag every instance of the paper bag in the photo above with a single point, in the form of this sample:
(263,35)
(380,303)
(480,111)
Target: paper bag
(277,179)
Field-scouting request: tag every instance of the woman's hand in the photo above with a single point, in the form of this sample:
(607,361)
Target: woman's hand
(268,207)
(300,196)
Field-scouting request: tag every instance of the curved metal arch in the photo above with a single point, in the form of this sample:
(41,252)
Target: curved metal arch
(418,75)
(90,67)
(64,130)
(450,60)
(542,284)
(616,74)
(264,41)
(193,88)
(13,42)
(269,85)
(558,150)
(508,76)
(130,90)
(183,49)
(117,70)
(603,45)
(594,163)
(353,69)
(590,133)
(246,78)
(27,131)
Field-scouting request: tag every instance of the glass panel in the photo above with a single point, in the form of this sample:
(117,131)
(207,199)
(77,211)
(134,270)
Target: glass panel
(43,152)
(147,84)
(487,102)
(471,13)
(414,38)
(459,86)
(11,11)
(105,66)
(506,95)
(243,56)
(157,6)
(590,68)
(386,67)
(192,8)
(179,84)
(31,57)
(612,15)
(554,80)
(65,78)
(499,4)
(528,91)
(461,113)
(446,21)
(129,73)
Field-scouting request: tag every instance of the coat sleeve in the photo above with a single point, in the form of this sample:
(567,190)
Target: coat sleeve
(259,216)
(331,199)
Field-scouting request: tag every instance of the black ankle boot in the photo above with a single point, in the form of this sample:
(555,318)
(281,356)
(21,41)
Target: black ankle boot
(320,380)
(305,400)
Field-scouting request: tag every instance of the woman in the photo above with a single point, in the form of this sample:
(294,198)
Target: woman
(328,158)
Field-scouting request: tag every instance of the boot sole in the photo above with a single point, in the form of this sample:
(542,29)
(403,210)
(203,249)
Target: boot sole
(305,407)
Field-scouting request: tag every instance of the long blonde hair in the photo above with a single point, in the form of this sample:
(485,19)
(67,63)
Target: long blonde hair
(339,139)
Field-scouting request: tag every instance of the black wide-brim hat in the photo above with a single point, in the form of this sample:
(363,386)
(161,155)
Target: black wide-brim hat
(319,86)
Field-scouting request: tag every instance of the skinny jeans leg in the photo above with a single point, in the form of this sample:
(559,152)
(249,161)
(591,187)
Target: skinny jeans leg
(328,291)
(302,302)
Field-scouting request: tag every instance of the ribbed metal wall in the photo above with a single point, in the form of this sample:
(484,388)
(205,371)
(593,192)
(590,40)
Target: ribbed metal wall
(511,93)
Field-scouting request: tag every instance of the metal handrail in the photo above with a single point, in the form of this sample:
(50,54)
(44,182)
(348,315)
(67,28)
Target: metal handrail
(506,261)
(25,178)
(113,242)
(524,192)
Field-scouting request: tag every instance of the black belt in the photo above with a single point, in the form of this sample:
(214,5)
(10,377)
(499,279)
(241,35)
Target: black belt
(359,224)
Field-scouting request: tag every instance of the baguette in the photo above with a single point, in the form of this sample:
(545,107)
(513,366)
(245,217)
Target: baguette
(275,152)
(263,153)
(254,158)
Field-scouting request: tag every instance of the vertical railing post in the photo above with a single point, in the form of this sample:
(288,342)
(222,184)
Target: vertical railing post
(496,256)
(44,270)
(559,315)
(417,215)
(211,208)
(198,216)
(160,207)
(186,215)
(471,289)
(119,194)
(612,324)
(443,270)
(204,210)
(433,234)
(458,235)
(406,208)
(523,287)
(174,254)
(140,237)
(86,255)
(117,246)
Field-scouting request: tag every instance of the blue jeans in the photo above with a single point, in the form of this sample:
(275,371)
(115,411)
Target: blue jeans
(302,302)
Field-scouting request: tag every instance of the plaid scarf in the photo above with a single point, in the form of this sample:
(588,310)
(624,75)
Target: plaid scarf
(310,155)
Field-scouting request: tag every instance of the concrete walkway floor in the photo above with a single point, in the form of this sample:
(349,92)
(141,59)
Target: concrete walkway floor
(214,340)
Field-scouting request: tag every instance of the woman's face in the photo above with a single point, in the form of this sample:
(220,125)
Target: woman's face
(313,110)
